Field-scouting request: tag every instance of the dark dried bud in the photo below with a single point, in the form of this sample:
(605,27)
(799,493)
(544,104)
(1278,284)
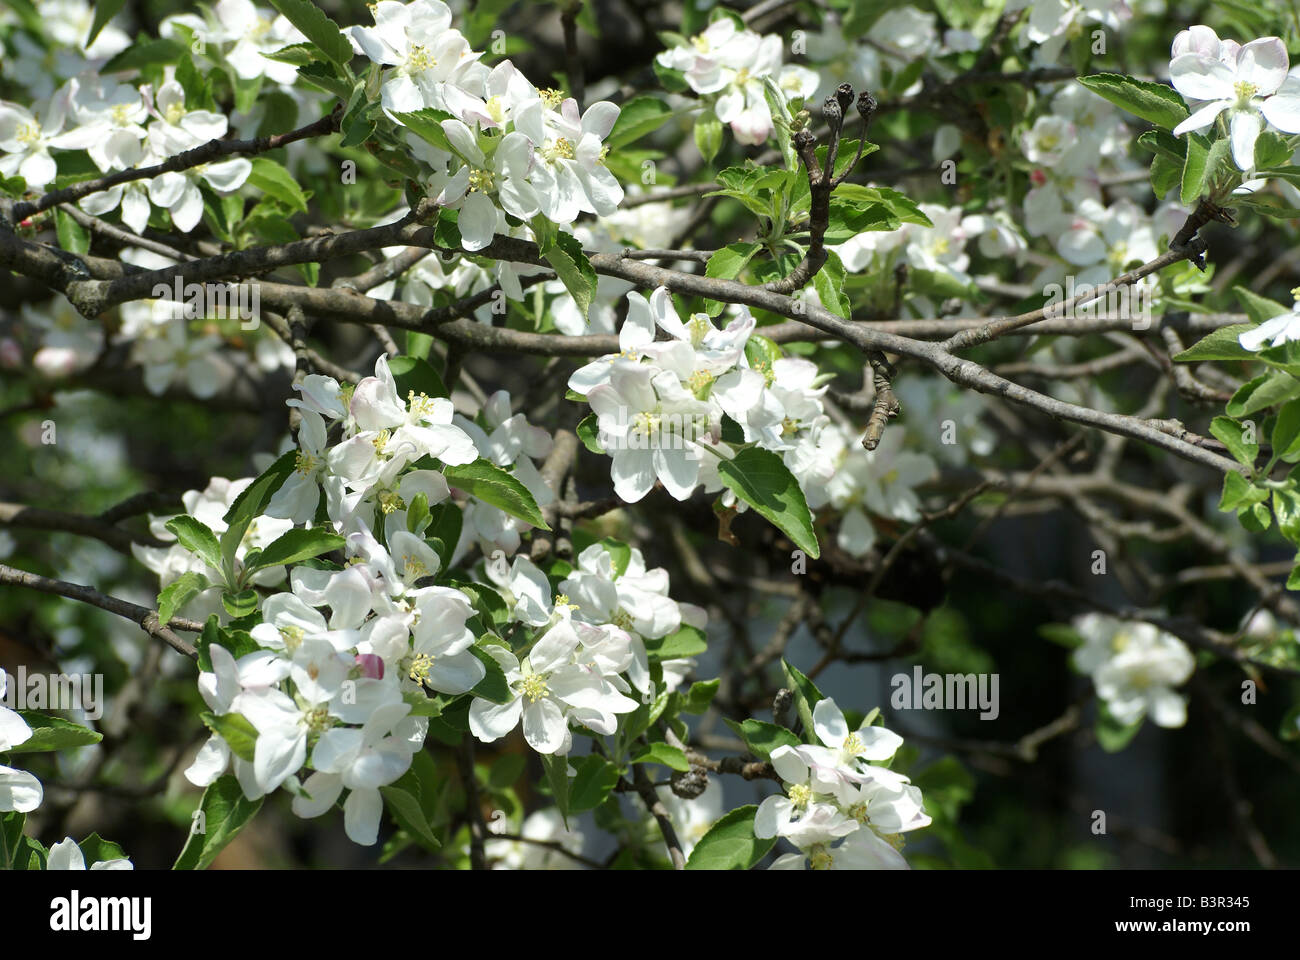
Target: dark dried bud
(689,784)
(804,139)
(844,94)
(832,113)
(781,703)
(866,106)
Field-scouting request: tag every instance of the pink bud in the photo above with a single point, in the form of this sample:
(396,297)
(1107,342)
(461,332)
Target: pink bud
(11,354)
(372,666)
(1037,177)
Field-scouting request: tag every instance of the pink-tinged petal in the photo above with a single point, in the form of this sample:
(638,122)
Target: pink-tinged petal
(1264,63)
(1202,78)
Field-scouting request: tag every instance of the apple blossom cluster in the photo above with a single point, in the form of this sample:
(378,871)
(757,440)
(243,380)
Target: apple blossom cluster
(586,639)
(1134,667)
(729,66)
(1249,85)
(842,808)
(333,676)
(1052,24)
(661,408)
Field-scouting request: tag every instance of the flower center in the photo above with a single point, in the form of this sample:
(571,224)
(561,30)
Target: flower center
(292,637)
(418,57)
(318,719)
(29,132)
(415,567)
(858,812)
(852,745)
(421,664)
(481,180)
(1244,90)
(421,406)
(305,462)
(699,382)
(622,619)
(496,109)
(789,427)
(559,149)
(552,97)
(647,423)
(380,440)
(121,114)
(819,858)
(389,500)
(534,687)
(800,795)
(174,113)
(698,328)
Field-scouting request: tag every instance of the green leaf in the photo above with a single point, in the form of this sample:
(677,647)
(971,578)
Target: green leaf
(234,728)
(1166,171)
(1195,167)
(316,27)
(1239,492)
(806,696)
(274,180)
(665,754)
(493,686)
(427,125)
(146,52)
(53,733)
(1262,392)
(708,136)
(730,843)
(294,546)
(699,696)
(592,784)
(762,480)
(1219,345)
(105,10)
(574,269)
(95,849)
(588,431)
(1153,102)
(1286,433)
(491,484)
(324,77)
(1231,434)
(1258,308)
(557,778)
(250,504)
(638,117)
(1286,507)
(195,537)
(406,810)
(1267,207)
(178,593)
(225,812)
(688,641)
(297,54)
(239,603)
(727,262)
(73,237)
(761,737)
(415,375)
(829,284)
(1061,634)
